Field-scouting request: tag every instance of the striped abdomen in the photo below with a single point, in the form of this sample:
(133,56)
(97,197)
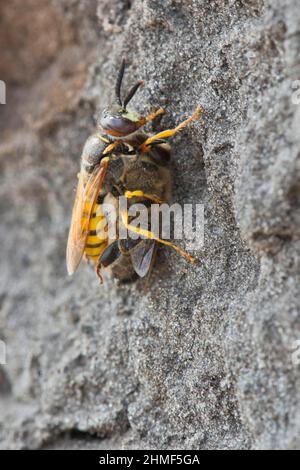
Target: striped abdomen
(96,241)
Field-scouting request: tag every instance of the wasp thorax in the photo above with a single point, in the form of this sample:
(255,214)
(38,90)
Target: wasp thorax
(92,152)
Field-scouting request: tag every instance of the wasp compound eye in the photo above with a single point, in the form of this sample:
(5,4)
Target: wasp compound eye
(117,126)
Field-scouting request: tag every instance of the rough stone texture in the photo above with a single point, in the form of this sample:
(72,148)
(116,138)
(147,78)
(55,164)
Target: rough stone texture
(201,359)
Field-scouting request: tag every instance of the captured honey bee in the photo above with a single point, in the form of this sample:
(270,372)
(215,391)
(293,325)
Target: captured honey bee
(121,160)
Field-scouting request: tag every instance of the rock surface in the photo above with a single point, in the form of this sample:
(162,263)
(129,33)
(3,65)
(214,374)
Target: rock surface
(205,357)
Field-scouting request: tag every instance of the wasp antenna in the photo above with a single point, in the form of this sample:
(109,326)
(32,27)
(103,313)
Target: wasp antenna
(119,81)
(132,92)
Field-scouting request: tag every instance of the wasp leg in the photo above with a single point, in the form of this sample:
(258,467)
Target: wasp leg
(152,236)
(111,147)
(151,117)
(98,272)
(146,146)
(154,115)
(139,193)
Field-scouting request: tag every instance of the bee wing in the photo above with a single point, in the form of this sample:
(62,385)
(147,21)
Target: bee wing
(142,257)
(86,195)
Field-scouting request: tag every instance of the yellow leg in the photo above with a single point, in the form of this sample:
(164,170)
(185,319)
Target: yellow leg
(139,193)
(148,234)
(111,147)
(154,115)
(104,139)
(146,146)
(151,117)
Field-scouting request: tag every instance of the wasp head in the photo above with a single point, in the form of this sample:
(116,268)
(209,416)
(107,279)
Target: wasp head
(118,121)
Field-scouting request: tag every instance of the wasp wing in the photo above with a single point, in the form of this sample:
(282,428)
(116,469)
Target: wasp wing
(88,188)
(142,256)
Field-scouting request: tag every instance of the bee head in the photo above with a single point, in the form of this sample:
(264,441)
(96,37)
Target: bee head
(117,121)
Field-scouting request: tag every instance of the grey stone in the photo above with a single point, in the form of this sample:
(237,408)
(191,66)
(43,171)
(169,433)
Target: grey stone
(204,357)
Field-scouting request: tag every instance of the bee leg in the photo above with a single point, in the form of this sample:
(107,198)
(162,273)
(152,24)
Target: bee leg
(146,146)
(152,236)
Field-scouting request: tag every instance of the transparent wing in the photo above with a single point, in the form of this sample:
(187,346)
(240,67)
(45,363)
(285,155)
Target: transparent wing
(142,256)
(87,191)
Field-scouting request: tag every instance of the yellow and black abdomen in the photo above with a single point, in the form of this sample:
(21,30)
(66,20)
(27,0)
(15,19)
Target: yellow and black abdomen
(96,241)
